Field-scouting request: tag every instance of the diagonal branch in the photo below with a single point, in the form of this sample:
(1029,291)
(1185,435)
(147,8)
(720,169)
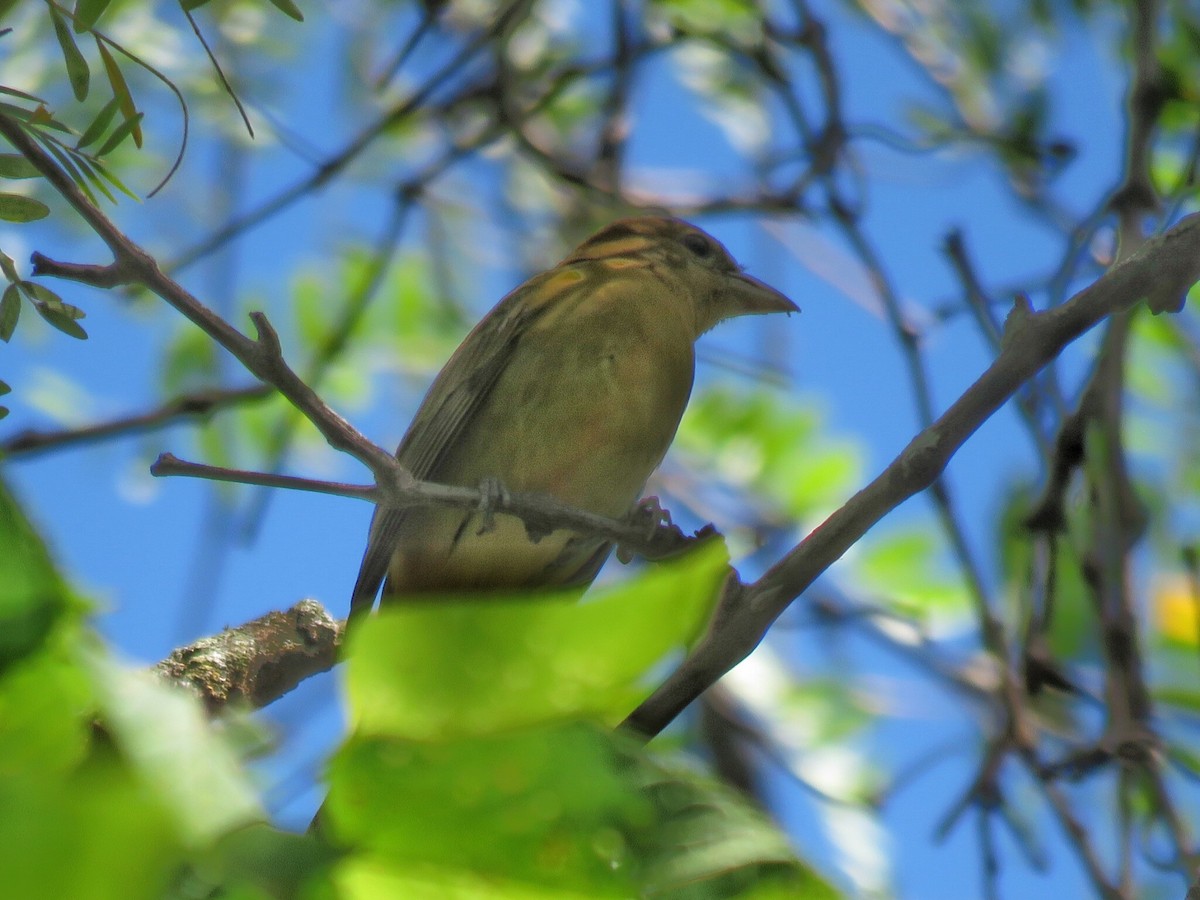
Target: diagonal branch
(1160,272)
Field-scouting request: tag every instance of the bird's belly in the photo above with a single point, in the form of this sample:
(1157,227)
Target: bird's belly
(447,552)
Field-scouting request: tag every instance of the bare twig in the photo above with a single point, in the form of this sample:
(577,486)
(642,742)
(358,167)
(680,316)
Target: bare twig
(193,405)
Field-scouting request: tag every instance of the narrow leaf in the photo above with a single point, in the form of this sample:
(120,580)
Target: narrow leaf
(99,125)
(42,295)
(20,113)
(288,8)
(90,174)
(60,320)
(68,165)
(88,12)
(14,165)
(8,267)
(121,91)
(122,131)
(10,311)
(114,180)
(13,92)
(77,67)
(15,208)
(4,388)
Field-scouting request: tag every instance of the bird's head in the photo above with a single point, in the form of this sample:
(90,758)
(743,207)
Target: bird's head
(690,260)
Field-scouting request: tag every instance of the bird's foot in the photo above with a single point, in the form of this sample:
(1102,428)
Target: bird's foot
(648,514)
(493,493)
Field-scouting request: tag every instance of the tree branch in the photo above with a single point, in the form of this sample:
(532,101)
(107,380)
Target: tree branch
(1160,272)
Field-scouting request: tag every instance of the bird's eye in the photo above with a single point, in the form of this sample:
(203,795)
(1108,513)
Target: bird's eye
(698,244)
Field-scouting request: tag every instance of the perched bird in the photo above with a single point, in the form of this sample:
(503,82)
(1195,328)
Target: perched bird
(573,386)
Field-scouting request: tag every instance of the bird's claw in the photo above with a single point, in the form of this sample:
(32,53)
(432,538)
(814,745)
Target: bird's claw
(648,514)
(492,493)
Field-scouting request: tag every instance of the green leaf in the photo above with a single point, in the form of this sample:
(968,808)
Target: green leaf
(112,179)
(88,12)
(564,810)
(32,595)
(288,8)
(13,92)
(77,67)
(466,665)
(122,131)
(10,311)
(20,113)
(14,165)
(98,125)
(8,267)
(545,806)
(62,316)
(90,174)
(15,208)
(167,738)
(68,166)
(121,92)
(39,293)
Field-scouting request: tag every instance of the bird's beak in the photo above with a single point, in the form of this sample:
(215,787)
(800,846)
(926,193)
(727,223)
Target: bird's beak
(749,296)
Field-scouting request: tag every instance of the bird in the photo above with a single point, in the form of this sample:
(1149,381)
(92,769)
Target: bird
(573,385)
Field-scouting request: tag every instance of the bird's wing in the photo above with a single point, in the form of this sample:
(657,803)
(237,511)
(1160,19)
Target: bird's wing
(453,402)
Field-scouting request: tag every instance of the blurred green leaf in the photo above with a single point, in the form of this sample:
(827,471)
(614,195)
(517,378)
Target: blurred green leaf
(14,165)
(61,316)
(770,444)
(123,96)
(10,311)
(88,12)
(77,67)
(99,124)
(189,361)
(32,595)
(93,179)
(8,267)
(470,665)
(560,810)
(905,568)
(541,805)
(68,166)
(288,8)
(16,208)
(168,739)
(125,129)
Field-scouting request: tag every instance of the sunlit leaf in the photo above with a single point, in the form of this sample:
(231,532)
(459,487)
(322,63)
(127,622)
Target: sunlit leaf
(465,665)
